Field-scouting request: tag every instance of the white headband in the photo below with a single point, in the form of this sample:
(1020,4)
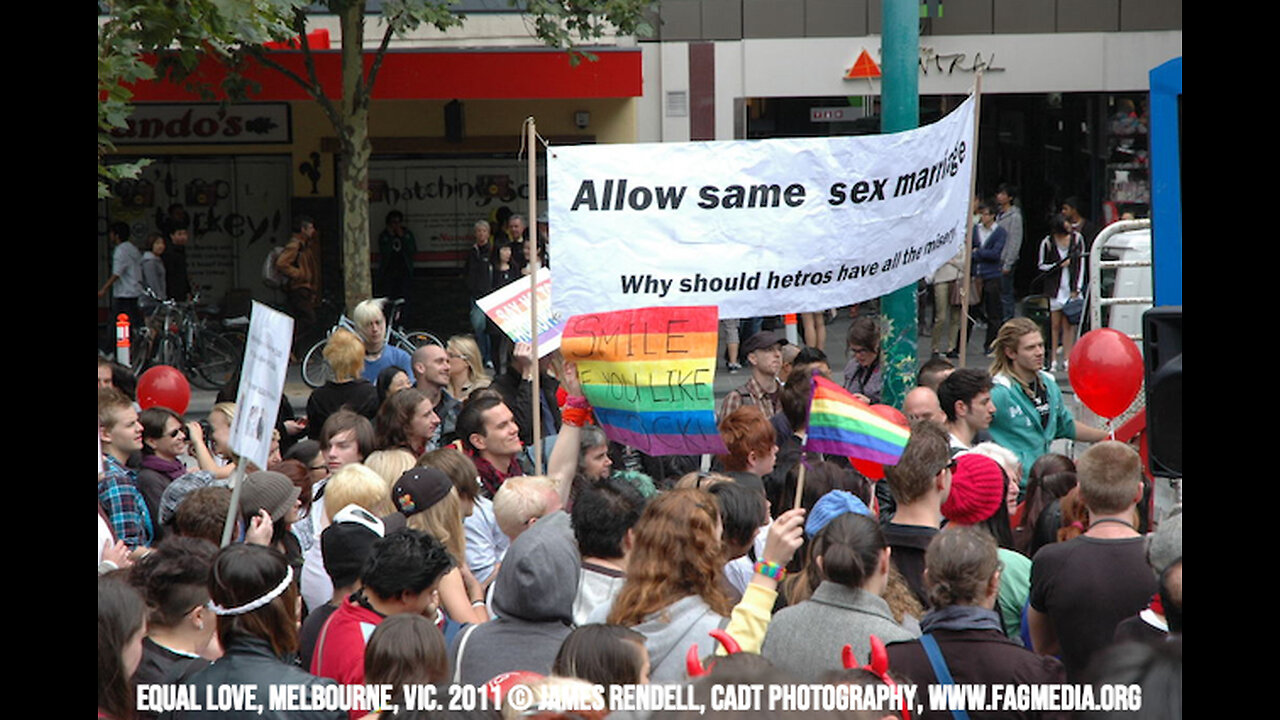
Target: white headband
(255,604)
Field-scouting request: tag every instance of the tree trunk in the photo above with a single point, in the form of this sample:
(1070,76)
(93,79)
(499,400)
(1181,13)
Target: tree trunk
(358,284)
(355,211)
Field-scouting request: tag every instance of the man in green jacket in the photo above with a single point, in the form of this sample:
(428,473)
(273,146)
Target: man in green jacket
(1030,413)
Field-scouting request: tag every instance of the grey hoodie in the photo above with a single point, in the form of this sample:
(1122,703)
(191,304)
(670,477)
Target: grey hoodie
(533,597)
(670,632)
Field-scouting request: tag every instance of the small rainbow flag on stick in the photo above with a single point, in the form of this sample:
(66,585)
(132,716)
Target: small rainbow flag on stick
(840,424)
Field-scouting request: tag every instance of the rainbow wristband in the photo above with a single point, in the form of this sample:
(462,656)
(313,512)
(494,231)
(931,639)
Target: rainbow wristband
(771,570)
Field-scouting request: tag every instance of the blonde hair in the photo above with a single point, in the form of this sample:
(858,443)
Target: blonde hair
(466,346)
(228,410)
(356,483)
(345,354)
(443,521)
(520,499)
(390,464)
(1011,333)
(364,313)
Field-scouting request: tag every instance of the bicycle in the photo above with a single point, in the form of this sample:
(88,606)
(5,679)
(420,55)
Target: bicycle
(316,370)
(177,336)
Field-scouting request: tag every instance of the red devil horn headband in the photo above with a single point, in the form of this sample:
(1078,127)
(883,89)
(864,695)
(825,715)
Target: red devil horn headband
(693,662)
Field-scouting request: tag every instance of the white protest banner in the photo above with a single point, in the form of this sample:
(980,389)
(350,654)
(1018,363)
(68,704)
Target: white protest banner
(508,306)
(757,227)
(266,360)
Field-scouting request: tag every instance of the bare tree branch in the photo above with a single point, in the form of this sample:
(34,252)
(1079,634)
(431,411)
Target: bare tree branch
(314,89)
(377,59)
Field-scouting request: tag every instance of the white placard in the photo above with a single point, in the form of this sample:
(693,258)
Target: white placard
(266,361)
(509,306)
(757,227)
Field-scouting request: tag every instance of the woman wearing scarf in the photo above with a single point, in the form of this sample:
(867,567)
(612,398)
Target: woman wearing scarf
(962,640)
(164,439)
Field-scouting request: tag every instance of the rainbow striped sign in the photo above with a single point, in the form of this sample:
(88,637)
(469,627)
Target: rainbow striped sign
(648,374)
(510,308)
(840,424)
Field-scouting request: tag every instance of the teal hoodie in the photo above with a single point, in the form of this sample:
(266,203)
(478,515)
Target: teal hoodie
(1016,424)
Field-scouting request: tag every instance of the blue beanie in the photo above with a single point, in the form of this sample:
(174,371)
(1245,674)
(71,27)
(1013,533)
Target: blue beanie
(831,506)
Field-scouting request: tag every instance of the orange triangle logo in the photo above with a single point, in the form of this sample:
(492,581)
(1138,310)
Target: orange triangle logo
(863,67)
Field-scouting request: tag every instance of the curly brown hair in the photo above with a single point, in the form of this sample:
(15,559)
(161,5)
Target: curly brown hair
(677,553)
(391,425)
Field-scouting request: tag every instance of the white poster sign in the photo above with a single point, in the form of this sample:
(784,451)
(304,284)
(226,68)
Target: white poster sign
(266,360)
(757,227)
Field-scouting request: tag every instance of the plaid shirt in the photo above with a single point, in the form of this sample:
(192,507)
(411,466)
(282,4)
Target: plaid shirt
(751,394)
(122,501)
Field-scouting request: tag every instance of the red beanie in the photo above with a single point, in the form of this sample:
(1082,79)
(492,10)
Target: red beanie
(977,489)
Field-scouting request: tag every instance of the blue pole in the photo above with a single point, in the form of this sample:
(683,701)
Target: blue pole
(1166,182)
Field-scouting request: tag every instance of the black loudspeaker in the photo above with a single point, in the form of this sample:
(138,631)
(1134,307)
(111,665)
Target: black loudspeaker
(453,122)
(1162,355)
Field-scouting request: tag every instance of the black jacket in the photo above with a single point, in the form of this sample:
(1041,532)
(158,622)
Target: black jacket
(249,661)
(479,271)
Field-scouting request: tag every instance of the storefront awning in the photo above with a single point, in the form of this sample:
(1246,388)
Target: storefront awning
(433,75)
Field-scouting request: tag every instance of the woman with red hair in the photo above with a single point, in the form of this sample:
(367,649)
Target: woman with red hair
(751,441)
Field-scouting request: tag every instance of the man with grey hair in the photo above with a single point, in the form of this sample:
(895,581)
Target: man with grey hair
(371,324)
(479,273)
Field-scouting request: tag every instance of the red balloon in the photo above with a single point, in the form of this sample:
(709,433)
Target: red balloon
(164,386)
(1106,371)
(872,470)
(891,413)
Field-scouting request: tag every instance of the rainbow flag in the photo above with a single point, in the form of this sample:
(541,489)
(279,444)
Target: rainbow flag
(648,374)
(839,424)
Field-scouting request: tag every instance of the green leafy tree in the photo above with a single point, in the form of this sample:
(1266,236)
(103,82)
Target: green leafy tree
(182,32)
(557,23)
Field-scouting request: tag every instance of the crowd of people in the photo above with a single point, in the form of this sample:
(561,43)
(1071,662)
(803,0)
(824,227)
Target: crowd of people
(398,535)
(150,269)
(997,243)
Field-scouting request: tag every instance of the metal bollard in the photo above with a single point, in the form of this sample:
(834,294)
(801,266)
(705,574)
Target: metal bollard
(122,339)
